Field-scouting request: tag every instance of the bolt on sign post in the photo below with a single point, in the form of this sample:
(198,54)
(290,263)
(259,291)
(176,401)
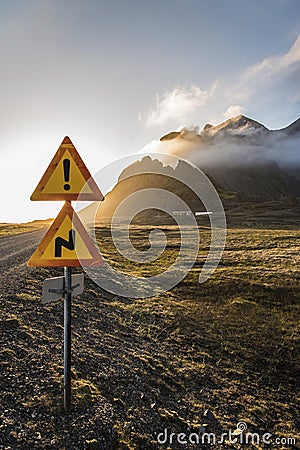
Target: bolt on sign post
(67,243)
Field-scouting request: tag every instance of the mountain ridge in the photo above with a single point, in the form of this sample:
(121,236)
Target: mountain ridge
(243,155)
(244,160)
(239,123)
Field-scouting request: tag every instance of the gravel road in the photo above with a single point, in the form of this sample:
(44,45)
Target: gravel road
(15,250)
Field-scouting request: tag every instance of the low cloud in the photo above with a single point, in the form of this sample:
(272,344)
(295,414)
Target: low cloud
(234,110)
(229,153)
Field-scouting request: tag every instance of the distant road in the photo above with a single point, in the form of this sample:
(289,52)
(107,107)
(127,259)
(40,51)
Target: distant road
(15,250)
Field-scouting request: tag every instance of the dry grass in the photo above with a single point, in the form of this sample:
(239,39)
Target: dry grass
(230,345)
(7,229)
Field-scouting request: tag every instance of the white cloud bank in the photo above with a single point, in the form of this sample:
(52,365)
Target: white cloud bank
(178,104)
(271,85)
(276,64)
(271,77)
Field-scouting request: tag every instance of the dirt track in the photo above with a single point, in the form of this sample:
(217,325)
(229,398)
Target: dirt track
(15,250)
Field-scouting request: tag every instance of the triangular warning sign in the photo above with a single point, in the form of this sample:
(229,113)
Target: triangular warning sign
(66,177)
(66,243)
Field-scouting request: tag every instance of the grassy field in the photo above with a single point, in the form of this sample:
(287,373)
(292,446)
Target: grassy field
(7,229)
(230,345)
(201,356)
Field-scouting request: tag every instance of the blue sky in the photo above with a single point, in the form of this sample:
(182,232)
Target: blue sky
(115,75)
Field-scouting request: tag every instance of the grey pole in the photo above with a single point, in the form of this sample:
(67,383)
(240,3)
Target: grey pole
(67,340)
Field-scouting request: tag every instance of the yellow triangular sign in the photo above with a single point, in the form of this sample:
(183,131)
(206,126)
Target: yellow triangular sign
(66,177)
(66,244)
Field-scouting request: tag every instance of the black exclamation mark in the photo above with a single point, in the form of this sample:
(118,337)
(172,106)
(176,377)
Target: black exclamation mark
(66,163)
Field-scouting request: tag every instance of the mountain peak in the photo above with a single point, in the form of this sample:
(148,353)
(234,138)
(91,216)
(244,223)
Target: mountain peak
(236,127)
(236,124)
(294,128)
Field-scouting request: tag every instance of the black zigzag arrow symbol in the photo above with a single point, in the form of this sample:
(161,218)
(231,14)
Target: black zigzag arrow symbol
(60,242)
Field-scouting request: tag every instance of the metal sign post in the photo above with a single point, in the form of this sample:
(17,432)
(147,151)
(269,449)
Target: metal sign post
(54,288)
(67,243)
(67,339)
